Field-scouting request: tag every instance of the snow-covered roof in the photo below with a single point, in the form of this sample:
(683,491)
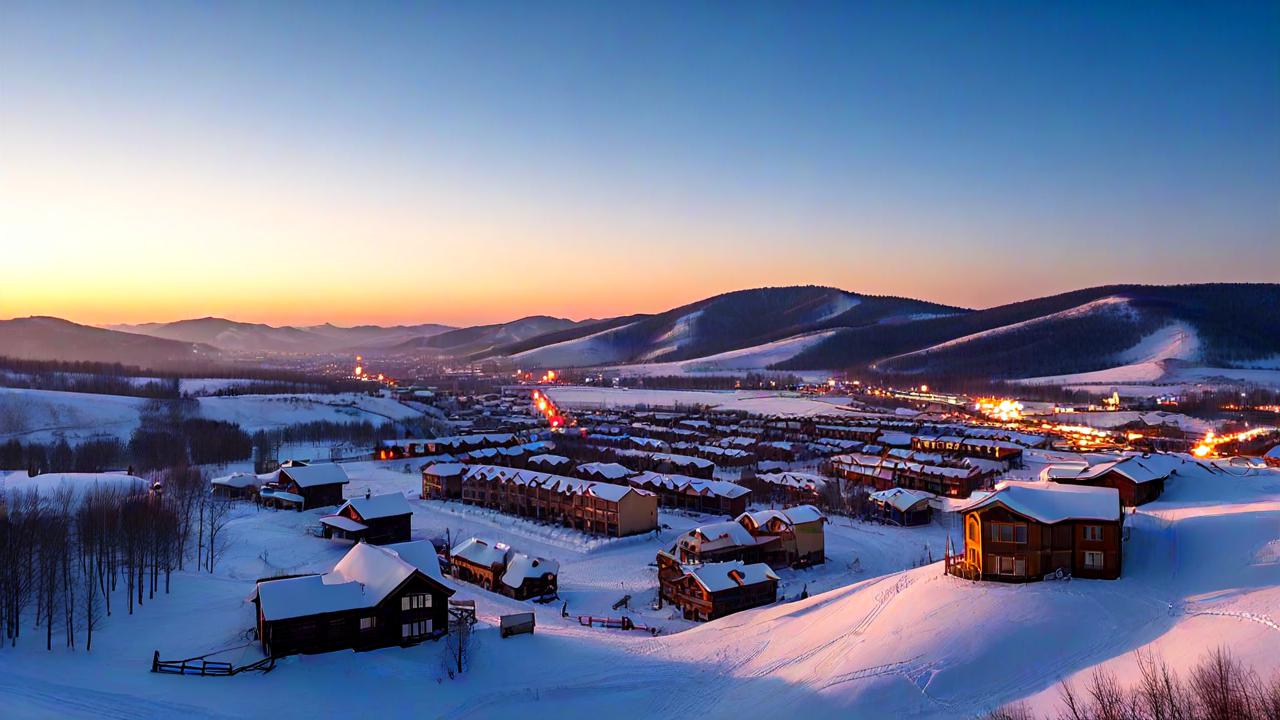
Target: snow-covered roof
(799,480)
(307,595)
(557,483)
(684,483)
(715,536)
(314,475)
(550,459)
(364,577)
(238,480)
(379,506)
(787,516)
(719,576)
(612,471)
(480,552)
(342,522)
(1051,502)
(522,566)
(684,460)
(422,555)
(1131,467)
(901,498)
(444,469)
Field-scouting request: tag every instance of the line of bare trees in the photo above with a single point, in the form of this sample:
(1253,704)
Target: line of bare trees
(1220,687)
(66,556)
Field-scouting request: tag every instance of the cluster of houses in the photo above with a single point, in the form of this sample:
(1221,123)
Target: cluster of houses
(721,568)
(501,569)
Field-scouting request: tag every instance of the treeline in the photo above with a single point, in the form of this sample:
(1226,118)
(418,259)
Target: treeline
(67,555)
(266,443)
(750,381)
(195,441)
(1219,688)
(133,381)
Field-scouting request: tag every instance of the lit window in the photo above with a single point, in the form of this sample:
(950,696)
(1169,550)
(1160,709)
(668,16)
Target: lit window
(368,623)
(1093,532)
(1093,560)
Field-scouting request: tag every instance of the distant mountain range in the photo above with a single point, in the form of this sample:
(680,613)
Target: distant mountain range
(1102,333)
(240,337)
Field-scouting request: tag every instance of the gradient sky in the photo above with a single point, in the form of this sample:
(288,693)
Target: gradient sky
(292,162)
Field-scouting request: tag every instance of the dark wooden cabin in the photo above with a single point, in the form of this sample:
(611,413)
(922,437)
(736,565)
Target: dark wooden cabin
(374,597)
(714,590)
(317,485)
(1138,482)
(442,481)
(902,506)
(376,519)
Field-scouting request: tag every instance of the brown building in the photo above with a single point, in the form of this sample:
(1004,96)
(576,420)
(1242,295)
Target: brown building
(374,597)
(713,590)
(998,450)
(500,569)
(1138,480)
(442,481)
(901,506)
(314,485)
(1025,531)
(790,537)
(797,532)
(592,507)
(376,519)
(716,497)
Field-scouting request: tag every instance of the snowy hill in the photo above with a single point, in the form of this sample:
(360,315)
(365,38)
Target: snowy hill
(41,338)
(244,337)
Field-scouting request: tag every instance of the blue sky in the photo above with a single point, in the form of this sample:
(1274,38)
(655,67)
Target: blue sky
(637,156)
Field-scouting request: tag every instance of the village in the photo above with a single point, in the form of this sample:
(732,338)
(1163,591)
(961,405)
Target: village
(561,511)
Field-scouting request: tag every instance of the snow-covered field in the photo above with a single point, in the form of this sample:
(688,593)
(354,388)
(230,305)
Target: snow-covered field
(760,402)
(48,415)
(876,638)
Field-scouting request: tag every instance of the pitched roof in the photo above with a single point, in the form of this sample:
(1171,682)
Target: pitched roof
(1051,502)
(315,475)
(522,566)
(719,576)
(480,552)
(379,506)
(901,498)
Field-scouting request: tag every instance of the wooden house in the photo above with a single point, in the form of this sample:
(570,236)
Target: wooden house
(716,497)
(789,488)
(714,590)
(442,480)
(1025,531)
(376,519)
(727,540)
(593,507)
(374,597)
(316,485)
(798,532)
(902,506)
(1138,480)
(501,569)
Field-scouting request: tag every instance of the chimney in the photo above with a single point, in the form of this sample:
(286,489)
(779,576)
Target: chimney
(367,493)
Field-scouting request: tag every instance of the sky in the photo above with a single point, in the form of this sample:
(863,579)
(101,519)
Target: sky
(292,162)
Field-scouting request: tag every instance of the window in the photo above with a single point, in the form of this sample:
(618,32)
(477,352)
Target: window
(1008,565)
(413,630)
(1009,532)
(973,531)
(1093,532)
(1093,560)
(368,623)
(415,601)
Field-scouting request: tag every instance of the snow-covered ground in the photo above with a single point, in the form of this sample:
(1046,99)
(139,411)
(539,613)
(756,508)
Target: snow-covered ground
(732,362)
(876,638)
(48,415)
(760,402)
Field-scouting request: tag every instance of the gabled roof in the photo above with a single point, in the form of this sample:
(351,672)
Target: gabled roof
(719,576)
(315,475)
(719,535)
(612,471)
(364,577)
(480,552)
(1052,503)
(444,469)
(1131,467)
(788,516)
(378,506)
(521,567)
(901,498)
